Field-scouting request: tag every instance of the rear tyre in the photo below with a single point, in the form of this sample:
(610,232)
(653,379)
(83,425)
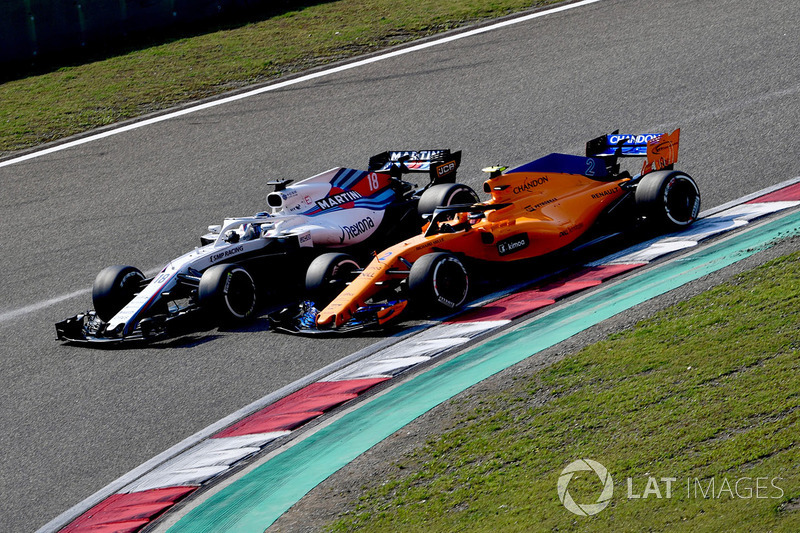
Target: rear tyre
(668,200)
(228,290)
(113,288)
(445,194)
(438,282)
(328,275)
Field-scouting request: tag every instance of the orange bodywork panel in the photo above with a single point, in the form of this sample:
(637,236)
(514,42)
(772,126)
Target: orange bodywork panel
(537,213)
(662,152)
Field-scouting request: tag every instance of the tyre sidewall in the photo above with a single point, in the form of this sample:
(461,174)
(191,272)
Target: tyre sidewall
(113,288)
(428,286)
(656,199)
(228,290)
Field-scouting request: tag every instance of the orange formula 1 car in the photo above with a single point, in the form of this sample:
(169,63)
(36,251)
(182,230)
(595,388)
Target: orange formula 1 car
(547,205)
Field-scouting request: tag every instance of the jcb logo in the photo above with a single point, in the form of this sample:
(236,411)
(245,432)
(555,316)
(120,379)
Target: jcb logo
(447,168)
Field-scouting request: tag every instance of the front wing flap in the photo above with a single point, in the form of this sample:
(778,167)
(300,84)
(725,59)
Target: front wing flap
(302,320)
(88,328)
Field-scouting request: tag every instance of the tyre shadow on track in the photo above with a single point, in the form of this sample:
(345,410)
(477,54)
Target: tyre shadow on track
(492,280)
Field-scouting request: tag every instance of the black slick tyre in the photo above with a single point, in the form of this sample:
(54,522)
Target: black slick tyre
(438,282)
(229,292)
(668,200)
(113,288)
(445,194)
(328,275)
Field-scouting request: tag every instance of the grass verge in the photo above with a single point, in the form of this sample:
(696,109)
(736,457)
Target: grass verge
(705,393)
(74,99)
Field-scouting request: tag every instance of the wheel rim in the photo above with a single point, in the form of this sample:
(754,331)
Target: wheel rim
(342,271)
(131,281)
(450,283)
(681,201)
(240,296)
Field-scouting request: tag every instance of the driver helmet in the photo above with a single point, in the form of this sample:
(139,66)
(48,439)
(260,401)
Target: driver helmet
(251,231)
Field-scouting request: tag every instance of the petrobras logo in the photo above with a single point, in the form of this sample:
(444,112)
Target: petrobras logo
(643,138)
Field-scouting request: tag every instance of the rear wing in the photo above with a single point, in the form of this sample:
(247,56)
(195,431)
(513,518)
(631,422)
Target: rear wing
(660,149)
(441,165)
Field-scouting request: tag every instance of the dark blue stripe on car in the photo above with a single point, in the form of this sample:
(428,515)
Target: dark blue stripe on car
(347,178)
(377,202)
(592,167)
(380,201)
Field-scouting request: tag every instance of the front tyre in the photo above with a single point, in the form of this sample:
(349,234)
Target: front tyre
(113,288)
(438,282)
(228,290)
(668,200)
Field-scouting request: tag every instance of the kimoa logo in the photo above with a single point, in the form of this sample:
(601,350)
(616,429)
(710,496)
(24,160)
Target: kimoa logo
(513,244)
(586,509)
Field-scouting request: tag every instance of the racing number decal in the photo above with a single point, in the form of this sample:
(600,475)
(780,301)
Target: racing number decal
(371,183)
(590,167)
(374,184)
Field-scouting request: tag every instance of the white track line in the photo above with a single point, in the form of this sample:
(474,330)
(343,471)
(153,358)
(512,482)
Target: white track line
(22,311)
(295,81)
(19,312)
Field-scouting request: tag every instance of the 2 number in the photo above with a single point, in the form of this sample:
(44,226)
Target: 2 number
(590,167)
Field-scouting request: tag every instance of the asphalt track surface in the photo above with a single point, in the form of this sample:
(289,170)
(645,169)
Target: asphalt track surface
(75,419)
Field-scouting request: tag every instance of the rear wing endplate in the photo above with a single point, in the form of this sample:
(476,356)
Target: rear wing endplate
(660,149)
(441,165)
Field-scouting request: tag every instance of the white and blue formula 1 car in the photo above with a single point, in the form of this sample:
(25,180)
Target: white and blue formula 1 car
(247,262)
